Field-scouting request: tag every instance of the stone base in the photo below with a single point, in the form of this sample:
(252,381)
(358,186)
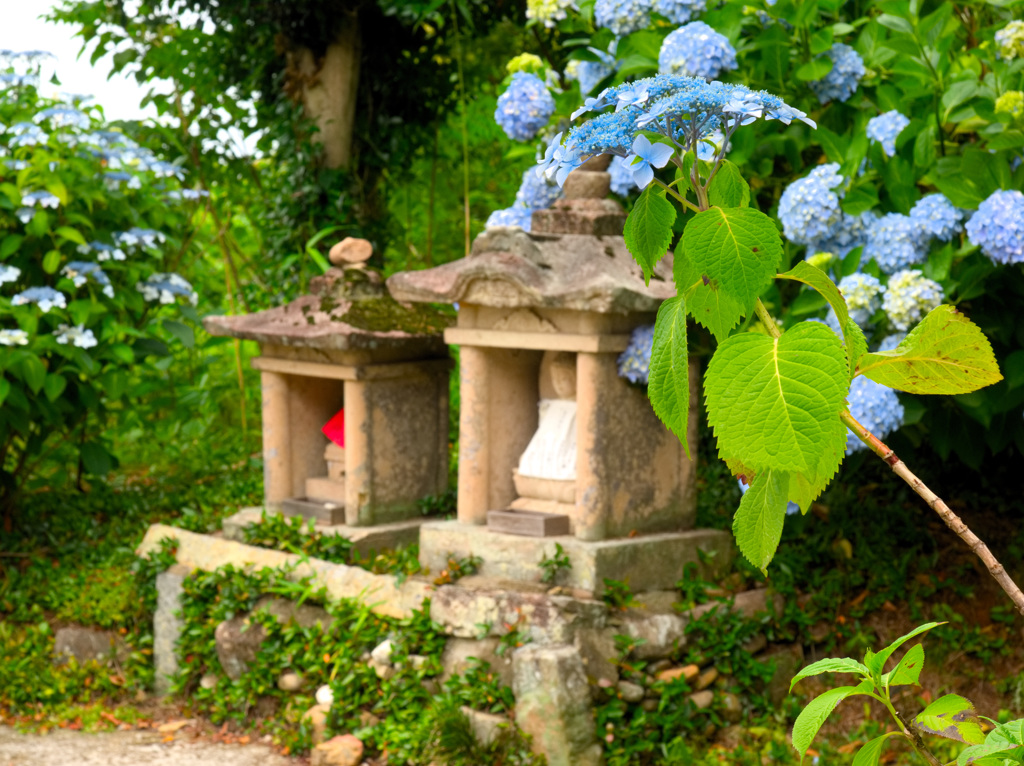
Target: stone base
(646,563)
(380,537)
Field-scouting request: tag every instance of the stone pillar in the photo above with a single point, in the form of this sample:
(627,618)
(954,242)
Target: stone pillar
(553,704)
(277,476)
(474,436)
(167,625)
(590,522)
(358,464)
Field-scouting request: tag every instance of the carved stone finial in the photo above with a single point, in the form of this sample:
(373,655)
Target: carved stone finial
(351,252)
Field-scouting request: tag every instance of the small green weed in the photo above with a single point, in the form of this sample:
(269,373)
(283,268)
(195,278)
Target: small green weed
(556,566)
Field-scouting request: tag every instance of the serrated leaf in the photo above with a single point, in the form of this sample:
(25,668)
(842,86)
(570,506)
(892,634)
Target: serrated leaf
(876,662)
(908,671)
(813,716)
(705,302)
(1005,741)
(856,344)
(648,230)
(804,488)
(830,665)
(739,248)
(870,753)
(669,381)
(758,522)
(952,717)
(945,354)
(773,401)
(728,188)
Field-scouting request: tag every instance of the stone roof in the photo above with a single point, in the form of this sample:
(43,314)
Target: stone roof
(509,268)
(346,310)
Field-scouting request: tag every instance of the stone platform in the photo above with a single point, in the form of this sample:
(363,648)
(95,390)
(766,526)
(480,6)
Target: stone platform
(379,537)
(645,562)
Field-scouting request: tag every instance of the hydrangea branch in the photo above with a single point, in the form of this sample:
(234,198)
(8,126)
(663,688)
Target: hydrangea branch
(934,502)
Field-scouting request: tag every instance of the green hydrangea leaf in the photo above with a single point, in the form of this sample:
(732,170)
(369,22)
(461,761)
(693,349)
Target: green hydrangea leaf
(876,662)
(856,344)
(773,402)
(813,716)
(728,188)
(669,381)
(804,488)
(870,754)
(908,670)
(738,249)
(758,522)
(830,665)
(952,717)
(945,354)
(648,230)
(814,277)
(706,302)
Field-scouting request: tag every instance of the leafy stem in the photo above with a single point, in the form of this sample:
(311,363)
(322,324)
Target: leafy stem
(679,197)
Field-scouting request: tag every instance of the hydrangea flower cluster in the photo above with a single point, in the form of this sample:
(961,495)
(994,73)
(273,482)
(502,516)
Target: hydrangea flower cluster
(696,50)
(635,361)
(679,11)
(622,177)
(166,288)
(525,62)
(548,12)
(908,297)
(104,252)
(809,207)
(517,215)
(78,336)
(80,271)
(863,294)
(885,128)
(895,242)
(44,297)
(524,108)
(13,338)
(1010,40)
(842,80)
(1012,103)
(938,217)
(622,17)
(9,273)
(536,192)
(876,407)
(683,109)
(998,227)
(850,232)
(590,73)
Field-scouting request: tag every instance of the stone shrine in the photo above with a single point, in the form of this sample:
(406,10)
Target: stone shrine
(375,372)
(553,442)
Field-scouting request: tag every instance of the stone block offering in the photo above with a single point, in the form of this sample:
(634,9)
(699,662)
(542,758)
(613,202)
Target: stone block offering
(377,370)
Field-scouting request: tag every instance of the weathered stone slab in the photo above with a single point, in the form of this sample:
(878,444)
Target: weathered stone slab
(167,625)
(662,635)
(486,726)
(646,562)
(553,704)
(86,645)
(238,642)
(381,593)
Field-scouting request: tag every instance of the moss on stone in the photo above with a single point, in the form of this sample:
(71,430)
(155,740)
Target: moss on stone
(385,314)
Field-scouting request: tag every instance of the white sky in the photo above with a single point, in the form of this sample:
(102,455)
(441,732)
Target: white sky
(22,29)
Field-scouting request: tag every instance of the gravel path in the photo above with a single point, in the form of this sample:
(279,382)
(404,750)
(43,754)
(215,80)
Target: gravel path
(128,748)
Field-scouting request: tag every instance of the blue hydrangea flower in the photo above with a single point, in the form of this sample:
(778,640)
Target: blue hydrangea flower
(696,50)
(63,116)
(622,177)
(895,241)
(842,81)
(908,297)
(13,338)
(40,198)
(536,192)
(80,271)
(9,273)
(622,17)
(166,288)
(26,134)
(79,336)
(136,237)
(876,407)
(645,157)
(548,12)
(104,252)
(791,508)
(885,127)
(635,361)
(525,107)
(517,215)
(809,207)
(1010,40)
(850,232)
(192,195)
(937,216)
(44,297)
(998,227)
(679,11)
(712,145)
(863,294)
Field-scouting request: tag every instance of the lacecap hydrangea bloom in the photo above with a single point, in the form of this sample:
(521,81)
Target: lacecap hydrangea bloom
(938,217)
(1010,40)
(166,288)
(876,407)
(635,361)
(679,11)
(885,128)
(998,227)
(78,336)
(696,50)
(908,297)
(622,177)
(524,108)
(809,207)
(683,109)
(548,12)
(80,271)
(517,215)
(9,273)
(622,17)
(13,338)
(895,241)
(44,297)
(842,80)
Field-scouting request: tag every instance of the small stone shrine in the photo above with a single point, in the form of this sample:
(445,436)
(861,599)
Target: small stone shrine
(554,445)
(355,398)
